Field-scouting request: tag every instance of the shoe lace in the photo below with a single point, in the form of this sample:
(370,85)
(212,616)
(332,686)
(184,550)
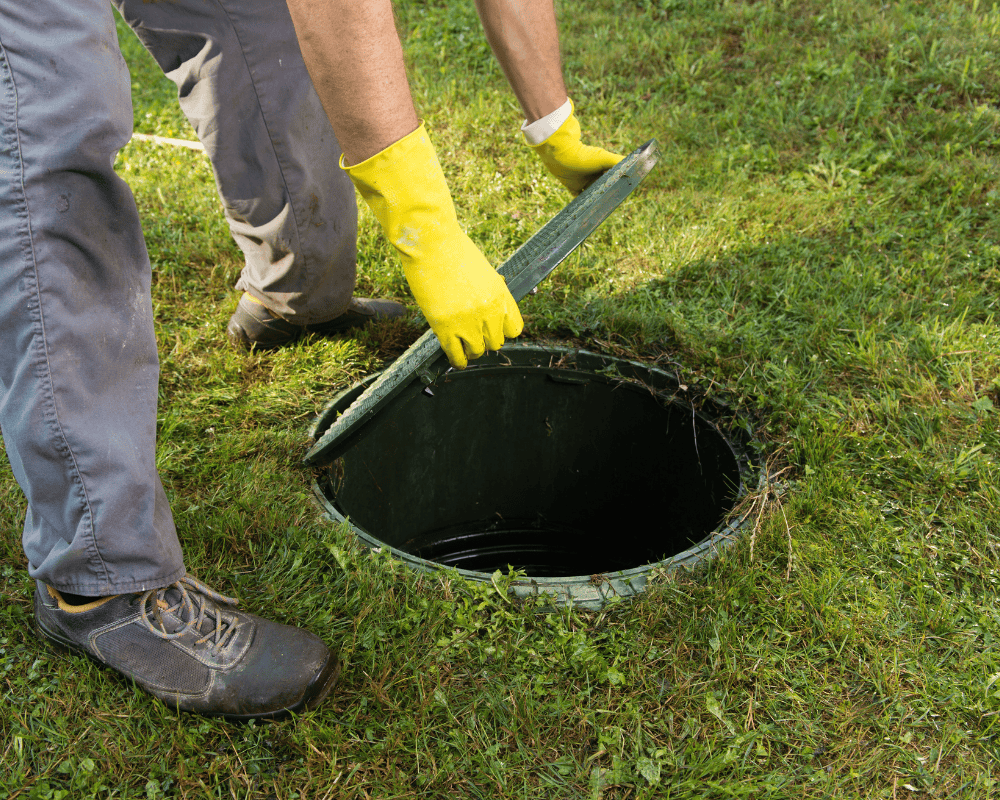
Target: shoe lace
(194,602)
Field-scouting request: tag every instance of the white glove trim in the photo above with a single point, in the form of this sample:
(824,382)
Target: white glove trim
(541,129)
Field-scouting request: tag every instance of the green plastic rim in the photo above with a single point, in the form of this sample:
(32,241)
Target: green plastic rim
(551,460)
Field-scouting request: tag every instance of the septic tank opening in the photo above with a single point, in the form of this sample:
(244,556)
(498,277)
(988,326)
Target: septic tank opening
(563,464)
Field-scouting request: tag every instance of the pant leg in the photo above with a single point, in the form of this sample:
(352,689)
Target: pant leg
(78,361)
(242,84)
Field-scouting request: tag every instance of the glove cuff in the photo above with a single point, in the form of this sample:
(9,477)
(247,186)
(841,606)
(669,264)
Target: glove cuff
(541,129)
(406,190)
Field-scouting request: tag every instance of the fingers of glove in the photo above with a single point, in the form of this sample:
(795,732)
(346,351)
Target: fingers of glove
(475,346)
(600,159)
(493,333)
(576,183)
(513,323)
(578,167)
(469,336)
(504,319)
(473,337)
(454,349)
(584,159)
(584,166)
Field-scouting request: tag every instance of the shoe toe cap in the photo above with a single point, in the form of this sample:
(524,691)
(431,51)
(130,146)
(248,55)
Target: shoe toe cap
(286,669)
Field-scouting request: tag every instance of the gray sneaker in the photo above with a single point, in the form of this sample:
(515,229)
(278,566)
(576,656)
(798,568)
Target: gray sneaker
(186,645)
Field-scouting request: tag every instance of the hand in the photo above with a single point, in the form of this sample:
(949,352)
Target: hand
(575,164)
(465,300)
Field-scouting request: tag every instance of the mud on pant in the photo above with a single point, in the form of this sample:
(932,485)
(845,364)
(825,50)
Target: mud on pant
(78,361)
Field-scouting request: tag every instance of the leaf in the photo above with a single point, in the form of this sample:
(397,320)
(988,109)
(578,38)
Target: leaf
(713,706)
(649,769)
(983,406)
(968,455)
(716,710)
(338,555)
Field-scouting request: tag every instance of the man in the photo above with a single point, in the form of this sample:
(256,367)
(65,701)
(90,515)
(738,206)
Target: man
(78,366)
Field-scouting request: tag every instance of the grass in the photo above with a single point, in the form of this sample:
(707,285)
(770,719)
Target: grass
(819,246)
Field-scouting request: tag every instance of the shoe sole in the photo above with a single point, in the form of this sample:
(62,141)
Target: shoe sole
(316,692)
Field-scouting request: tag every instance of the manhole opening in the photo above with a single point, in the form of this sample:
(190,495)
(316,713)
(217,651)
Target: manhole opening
(558,463)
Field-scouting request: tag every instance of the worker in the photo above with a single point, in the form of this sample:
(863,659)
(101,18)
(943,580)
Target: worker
(78,365)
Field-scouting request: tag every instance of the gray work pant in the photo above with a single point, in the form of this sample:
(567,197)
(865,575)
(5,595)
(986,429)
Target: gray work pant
(242,84)
(78,361)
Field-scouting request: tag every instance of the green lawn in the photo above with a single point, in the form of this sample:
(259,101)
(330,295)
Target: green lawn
(819,247)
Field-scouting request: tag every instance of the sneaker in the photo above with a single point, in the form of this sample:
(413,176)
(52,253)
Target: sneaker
(253,326)
(188,646)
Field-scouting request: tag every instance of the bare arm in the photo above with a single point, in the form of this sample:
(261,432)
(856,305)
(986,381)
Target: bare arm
(525,40)
(355,60)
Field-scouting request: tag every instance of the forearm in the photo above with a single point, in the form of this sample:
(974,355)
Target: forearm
(354,57)
(525,40)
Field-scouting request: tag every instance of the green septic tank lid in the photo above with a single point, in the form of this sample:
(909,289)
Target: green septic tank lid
(523,271)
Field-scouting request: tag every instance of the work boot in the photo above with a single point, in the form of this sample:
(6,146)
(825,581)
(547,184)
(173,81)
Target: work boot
(188,646)
(253,326)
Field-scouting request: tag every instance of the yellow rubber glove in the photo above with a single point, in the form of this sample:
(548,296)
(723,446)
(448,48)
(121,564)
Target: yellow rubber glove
(575,164)
(464,299)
